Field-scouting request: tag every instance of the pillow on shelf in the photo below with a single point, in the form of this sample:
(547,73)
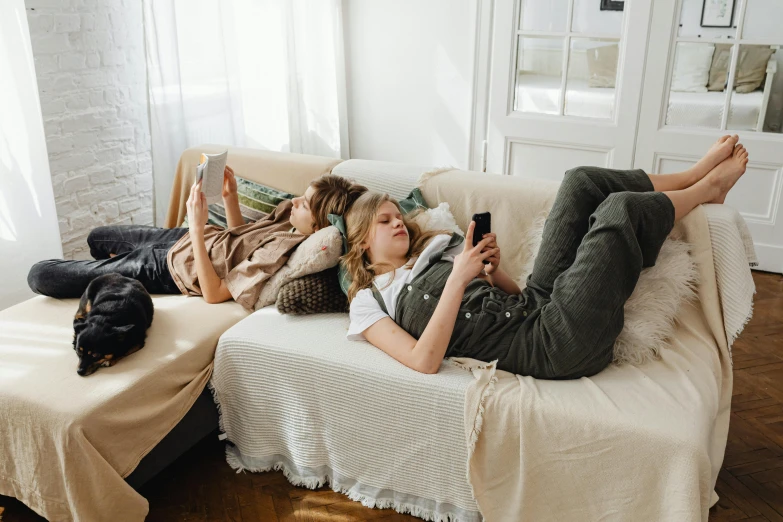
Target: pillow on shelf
(255,202)
(719,69)
(602,65)
(692,67)
(751,67)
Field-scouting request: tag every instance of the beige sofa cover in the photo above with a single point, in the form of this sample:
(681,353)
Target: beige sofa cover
(631,443)
(67,441)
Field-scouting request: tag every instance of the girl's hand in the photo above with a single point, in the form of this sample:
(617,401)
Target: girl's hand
(470,263)
(494,259)
(229,183)
(197,208)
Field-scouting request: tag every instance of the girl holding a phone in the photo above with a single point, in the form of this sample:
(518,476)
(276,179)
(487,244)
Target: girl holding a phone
(419,296)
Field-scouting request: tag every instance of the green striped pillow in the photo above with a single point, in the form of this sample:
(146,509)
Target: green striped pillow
(255,202)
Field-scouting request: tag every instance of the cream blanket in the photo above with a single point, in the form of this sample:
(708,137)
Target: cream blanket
(733,253)
(632,443)
(67,441)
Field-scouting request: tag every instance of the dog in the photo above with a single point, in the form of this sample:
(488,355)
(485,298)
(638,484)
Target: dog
(111,322)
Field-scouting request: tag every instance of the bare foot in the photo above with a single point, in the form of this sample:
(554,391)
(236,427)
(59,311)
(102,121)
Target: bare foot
(726,174)
(719,151)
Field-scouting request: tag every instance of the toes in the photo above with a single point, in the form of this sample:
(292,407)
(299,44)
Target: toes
(723,138)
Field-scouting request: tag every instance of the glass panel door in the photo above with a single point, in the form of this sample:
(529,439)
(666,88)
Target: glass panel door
(565,84)
(721,43)
(567,56)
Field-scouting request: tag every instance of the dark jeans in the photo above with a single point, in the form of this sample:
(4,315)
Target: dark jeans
(140,254)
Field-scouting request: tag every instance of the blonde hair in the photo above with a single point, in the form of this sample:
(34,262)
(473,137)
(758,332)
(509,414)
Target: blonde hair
(360,222)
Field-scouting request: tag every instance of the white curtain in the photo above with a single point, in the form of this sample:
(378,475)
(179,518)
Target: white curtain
(28,218)
(265,74)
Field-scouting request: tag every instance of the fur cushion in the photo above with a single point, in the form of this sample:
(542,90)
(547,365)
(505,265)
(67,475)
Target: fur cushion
(318,252)
(317,293)
(651,310)
(438,218)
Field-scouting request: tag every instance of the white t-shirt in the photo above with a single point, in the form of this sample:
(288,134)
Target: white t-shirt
(365,310)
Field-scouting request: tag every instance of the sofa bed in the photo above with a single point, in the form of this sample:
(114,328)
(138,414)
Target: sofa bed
(468,443)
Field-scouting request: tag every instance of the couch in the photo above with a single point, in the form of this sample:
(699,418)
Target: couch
(76,448)
(295,395)
(470,442)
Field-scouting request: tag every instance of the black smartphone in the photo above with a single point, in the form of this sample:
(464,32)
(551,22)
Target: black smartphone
(483,226)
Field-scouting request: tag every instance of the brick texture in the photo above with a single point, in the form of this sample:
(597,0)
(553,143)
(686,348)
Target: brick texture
(89,60)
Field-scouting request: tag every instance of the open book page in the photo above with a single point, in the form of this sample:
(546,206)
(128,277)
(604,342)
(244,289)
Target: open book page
(210,170)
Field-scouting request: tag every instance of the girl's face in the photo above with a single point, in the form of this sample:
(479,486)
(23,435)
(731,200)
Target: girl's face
(388,239)
(301,216)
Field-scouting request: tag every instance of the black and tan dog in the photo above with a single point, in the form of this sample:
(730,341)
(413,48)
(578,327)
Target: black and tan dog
(111,323)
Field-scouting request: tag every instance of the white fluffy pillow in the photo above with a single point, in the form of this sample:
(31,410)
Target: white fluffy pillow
(651,310)
(318,252)
(438,218)
(692,63)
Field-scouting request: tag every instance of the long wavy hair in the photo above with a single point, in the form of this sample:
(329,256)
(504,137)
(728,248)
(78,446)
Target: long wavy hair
(360,222)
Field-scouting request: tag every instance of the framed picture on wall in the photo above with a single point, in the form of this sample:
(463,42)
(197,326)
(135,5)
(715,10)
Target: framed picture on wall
(612,5)
(717,13)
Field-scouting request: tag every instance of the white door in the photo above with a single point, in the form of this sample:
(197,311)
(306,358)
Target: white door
(565,85)
(700,46)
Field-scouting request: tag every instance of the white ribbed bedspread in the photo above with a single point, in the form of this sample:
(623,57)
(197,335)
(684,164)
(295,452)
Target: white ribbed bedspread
(296,395)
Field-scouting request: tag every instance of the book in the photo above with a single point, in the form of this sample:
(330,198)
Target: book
(210,171)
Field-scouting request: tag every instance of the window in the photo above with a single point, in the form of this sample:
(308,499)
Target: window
(721,43)
(567,53)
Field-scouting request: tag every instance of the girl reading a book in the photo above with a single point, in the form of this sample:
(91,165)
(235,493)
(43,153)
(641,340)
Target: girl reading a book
(217,263)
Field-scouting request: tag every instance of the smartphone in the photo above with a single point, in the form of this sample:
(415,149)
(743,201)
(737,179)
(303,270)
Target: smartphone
(483,226)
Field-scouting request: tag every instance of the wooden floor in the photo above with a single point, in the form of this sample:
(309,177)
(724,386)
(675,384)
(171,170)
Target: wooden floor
(201,487)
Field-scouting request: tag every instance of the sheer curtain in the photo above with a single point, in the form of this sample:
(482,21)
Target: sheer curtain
(266,74)
(28,216)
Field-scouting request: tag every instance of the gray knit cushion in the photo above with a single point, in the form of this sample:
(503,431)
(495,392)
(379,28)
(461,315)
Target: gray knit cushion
(317,293)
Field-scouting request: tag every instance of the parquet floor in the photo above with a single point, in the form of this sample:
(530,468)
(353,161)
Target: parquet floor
(201,487)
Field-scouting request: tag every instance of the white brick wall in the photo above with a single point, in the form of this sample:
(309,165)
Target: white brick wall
(89,60)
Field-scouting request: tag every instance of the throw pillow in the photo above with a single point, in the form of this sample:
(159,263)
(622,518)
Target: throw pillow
(692,67)
(255,202)
(719,69)
(602,65)
(652,308)
(318,293)
(318,252)
(751,67)
(438,218)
